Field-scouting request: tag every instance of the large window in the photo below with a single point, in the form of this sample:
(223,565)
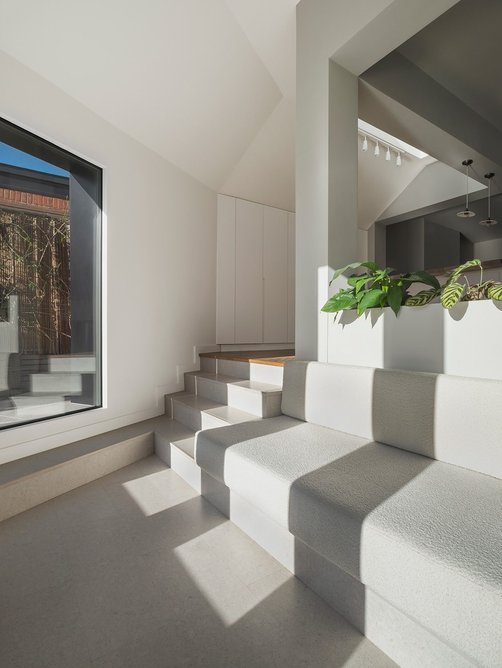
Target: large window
(50,242)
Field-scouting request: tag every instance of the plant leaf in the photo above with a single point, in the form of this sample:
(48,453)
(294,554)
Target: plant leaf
(369,300)
(460,269)
(395,298)
(421,298)
(451,294)
(495,292)
(362,282)
(354,265)
(339,302)
(423,277)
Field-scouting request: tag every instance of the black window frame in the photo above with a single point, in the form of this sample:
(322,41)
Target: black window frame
(88,181)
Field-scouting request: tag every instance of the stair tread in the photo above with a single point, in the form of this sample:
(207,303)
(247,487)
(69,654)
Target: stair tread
(232,415)
(254,385)
(196,401)
(222,411)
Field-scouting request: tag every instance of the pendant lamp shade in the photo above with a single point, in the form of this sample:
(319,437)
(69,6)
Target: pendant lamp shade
(466,213)
(488,221)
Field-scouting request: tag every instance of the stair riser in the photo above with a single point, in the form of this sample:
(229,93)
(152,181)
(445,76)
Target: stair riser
(46,406)
(233,368)
(262,404)
(180,462)
(56,383)
(62,364)
(34,489)
(210,389)
(195,419)
(187,415)
(208,365)
(190,383)
(263,373)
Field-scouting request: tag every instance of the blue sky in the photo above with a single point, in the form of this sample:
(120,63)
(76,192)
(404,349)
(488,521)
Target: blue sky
(12,156)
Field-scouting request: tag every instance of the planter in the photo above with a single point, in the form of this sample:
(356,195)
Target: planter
(465,341)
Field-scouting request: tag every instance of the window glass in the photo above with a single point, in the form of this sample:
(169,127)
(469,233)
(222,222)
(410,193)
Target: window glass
(50,234)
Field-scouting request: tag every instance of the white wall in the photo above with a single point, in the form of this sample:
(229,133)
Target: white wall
(355,34)
(488,250)
(266,171)
(160,274)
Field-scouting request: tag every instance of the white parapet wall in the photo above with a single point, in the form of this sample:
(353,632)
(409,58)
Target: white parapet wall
(464,341)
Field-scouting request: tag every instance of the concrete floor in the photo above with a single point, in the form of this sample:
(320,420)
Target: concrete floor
(136,570)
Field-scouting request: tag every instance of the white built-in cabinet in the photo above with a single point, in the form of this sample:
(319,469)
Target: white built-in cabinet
(255,273)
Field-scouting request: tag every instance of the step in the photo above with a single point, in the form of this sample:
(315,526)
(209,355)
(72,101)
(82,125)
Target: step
(197,412)
(264,373)
(174,444)
(257,398)
(56,383)
(38,405)
(72,364)
(30,481)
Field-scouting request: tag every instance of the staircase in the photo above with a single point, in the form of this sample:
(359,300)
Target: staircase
(228,389)
(225,391)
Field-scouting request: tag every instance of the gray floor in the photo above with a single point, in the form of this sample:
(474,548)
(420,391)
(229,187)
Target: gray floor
(137,570)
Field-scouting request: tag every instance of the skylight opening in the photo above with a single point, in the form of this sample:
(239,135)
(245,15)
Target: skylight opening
(388,139)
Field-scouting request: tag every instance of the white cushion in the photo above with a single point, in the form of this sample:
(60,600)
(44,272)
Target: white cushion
(449,418)
(330,395)
(424,535)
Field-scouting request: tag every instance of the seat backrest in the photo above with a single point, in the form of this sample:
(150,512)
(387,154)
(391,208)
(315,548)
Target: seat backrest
(449,418)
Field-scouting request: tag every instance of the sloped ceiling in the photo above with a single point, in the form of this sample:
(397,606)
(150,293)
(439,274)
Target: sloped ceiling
(380,182)
(196,81)
(207,84)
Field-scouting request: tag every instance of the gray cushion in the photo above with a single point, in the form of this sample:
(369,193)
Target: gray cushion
(424,535)
(448,418)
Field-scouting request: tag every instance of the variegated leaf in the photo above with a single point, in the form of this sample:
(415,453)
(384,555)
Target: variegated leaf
(495,292)
(421,298)
(452,294)
(459,270)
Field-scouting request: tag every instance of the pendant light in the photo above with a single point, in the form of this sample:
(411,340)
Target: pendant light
(398,160)
(466,213)
(387,155)
(377,149)
(365,143)
(488,221)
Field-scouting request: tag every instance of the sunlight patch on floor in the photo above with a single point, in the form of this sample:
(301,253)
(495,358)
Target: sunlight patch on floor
(234,575)
(156,492)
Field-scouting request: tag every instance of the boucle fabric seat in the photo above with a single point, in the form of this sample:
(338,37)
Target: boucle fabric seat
(423,534)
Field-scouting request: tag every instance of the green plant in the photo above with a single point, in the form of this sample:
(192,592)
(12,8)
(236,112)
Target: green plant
(457,287)
(378,287)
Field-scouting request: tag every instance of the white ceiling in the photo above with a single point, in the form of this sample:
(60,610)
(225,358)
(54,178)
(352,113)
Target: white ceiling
(380,182)
(207,84)
(195,80)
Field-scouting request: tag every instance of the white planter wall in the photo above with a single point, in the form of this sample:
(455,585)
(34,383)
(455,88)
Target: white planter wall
(465,341)
(255,273)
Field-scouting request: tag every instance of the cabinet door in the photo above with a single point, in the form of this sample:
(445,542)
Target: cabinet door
(248,272)
(291,276)
(225,271)
(275,272)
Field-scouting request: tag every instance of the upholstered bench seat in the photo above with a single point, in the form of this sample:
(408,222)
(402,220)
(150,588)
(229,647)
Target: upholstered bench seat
(423,534)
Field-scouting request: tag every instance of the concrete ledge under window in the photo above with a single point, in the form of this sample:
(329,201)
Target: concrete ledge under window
(26,483)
